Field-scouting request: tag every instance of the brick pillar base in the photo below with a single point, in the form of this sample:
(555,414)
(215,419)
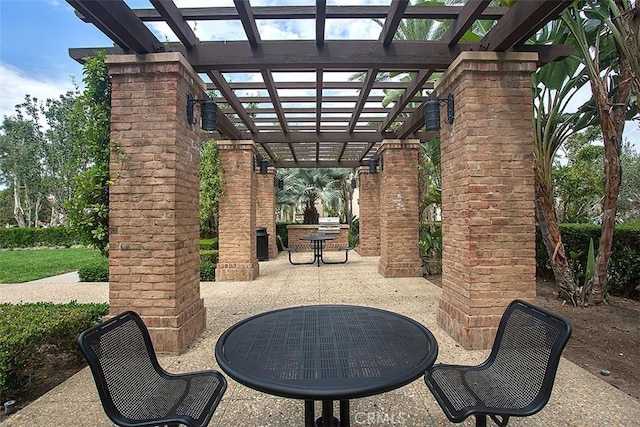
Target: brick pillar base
(399,228)
(488,221)
(237,221)
(369,184)
(153,202)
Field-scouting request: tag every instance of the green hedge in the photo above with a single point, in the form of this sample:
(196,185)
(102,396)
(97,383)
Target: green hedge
(209,244)
(29,333)
(207,271)
(209,256)
(12,238)
(97,272)
(624,265)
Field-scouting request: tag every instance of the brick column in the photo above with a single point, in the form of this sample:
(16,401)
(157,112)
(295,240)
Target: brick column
(266,207)
(153,202)
(488,218)
(369,185)
(399,219)
(237,220)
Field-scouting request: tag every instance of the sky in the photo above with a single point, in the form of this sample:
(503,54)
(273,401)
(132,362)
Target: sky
(35,36)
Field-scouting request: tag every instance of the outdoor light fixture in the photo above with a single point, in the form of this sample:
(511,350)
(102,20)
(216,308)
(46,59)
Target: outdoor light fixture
(373,164)
(432,112)
(353,183)
(280,184)
(208,112)
(263,166)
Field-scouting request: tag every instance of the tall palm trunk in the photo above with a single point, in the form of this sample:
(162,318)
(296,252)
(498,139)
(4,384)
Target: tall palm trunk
(612,116)
(551,237)
(611,86)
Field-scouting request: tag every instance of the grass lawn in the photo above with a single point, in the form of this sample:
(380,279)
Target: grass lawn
(24,265)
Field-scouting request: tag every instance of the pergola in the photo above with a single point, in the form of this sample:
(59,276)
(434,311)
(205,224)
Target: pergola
(294,98)
(294,103)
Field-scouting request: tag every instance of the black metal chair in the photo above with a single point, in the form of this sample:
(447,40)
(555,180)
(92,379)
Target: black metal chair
(346,250)
(517,377)
(134,389)
(290,251)
(286,248)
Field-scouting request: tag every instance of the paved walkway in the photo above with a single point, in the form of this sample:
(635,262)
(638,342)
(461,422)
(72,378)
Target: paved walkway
(578,399)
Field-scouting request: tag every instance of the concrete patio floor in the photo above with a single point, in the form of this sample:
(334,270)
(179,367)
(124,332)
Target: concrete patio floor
(578,399)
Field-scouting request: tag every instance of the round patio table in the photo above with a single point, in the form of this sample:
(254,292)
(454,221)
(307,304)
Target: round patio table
(326,353)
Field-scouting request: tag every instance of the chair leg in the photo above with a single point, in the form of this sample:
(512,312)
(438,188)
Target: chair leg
(481,421)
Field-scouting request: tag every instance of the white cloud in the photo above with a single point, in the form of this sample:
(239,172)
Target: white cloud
(14,85)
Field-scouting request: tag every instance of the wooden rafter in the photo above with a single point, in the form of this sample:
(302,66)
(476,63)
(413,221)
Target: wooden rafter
(321,19)
(392,21)
(523,18)
(470,12)
(171,14)
(324,123)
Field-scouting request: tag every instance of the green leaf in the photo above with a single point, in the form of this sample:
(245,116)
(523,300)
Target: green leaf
(591,262)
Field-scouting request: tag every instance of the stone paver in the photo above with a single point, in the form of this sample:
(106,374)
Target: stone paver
(578,399)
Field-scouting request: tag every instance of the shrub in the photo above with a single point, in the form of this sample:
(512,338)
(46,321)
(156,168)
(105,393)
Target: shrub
(207,271)
(11,238)
(281,230)
(624,264)
(209,244)
(209,256)
(96,272)
(354,232)
(29,333)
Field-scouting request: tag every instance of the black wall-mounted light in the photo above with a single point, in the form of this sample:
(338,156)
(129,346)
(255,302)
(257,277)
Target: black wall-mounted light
(280,184)
(208,111)
(263,166)
(432,112)
(373,165)
(353,183)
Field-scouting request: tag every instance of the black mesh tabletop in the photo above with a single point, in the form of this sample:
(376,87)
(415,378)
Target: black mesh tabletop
(326,352)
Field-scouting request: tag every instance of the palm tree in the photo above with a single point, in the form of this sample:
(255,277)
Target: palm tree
(304,187)
(607,37)
(554,86)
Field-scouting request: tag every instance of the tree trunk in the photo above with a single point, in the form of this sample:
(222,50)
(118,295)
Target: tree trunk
(310,213)
(552,239)
(612,118)
(18,212)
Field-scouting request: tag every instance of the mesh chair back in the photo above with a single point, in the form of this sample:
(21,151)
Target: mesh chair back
(517,377)
(282,245)
(133,388)
(524,358)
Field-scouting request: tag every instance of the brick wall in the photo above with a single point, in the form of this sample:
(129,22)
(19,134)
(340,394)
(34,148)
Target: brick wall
(237,217)
(369,184)
(487,195)
(153,204)
(266,208)
(399,222)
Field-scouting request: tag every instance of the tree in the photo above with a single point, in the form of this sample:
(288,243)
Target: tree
(578,180)
(303,187)
(90,118)
(430,181)
(6,213)
(211,186)
(607,37)
(21,152)
(63,157)
(629,199)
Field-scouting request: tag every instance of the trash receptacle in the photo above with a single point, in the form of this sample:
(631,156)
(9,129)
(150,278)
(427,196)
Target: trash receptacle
(262,244)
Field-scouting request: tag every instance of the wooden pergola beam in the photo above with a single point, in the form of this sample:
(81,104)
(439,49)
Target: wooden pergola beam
(171,14)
